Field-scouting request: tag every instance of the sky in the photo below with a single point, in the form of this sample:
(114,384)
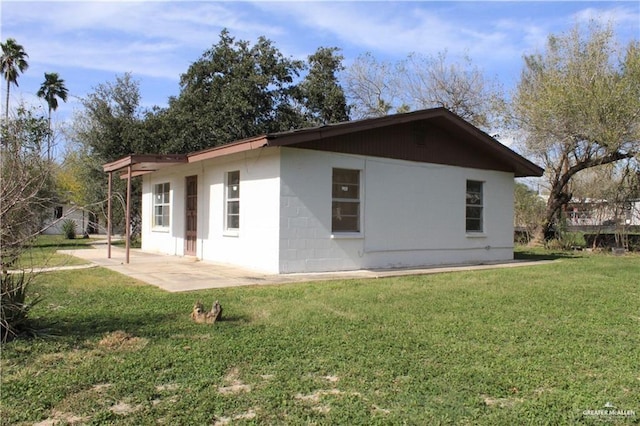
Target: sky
(89,42)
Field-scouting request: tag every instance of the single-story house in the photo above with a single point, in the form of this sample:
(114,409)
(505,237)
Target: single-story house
(407,190)
(594,213)
(62,212)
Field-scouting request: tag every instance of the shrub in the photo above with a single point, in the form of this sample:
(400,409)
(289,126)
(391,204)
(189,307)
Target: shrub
(573,239)
(69,229)
(567,241)
(15,306)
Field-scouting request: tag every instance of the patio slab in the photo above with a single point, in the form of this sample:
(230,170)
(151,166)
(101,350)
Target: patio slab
(177,274)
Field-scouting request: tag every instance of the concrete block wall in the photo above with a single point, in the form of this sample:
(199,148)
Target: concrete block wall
(412,214)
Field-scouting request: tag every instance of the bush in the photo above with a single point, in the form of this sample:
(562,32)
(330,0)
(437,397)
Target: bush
(69,229)
(567,241)
(15,306)
(573,239)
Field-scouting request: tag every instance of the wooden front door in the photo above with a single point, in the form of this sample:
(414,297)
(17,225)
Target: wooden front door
(191,235)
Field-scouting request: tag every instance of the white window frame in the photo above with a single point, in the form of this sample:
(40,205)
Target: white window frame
(161,200)
(474,200)
(230,198)
(347,187)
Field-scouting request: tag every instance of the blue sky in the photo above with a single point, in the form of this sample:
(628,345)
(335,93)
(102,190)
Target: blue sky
(89,43)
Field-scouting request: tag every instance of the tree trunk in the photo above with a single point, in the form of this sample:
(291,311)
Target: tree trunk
(558,197)
(7,105)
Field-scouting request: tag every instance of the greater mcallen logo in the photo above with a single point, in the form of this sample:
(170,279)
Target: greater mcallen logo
(609,411)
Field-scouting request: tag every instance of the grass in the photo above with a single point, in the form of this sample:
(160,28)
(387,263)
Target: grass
(530,345)
(44,253)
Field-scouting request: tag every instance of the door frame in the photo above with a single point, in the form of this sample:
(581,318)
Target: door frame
(191,216)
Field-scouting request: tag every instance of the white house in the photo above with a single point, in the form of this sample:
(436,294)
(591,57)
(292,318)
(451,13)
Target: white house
(60,213)
(415,189)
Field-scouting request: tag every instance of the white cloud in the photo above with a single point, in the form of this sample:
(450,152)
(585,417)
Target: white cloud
(619,15)
(90,41)
(156,39)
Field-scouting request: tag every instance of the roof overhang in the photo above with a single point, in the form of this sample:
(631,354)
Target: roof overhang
(141,164)
(439,116)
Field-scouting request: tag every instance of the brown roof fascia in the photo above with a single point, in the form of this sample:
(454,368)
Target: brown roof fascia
(228,149)
(144,163)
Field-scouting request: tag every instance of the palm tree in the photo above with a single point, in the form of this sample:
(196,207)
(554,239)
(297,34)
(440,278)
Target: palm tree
(52,89)
(13,63)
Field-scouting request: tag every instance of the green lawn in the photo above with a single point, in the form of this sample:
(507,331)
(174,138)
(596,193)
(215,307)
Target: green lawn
(531,345)
(44,252)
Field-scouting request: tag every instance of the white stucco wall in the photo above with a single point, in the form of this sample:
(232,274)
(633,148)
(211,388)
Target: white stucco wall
(413,214)
(255,245)
(169,240)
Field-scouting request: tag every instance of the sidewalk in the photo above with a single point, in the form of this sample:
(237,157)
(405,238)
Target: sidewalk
(176,274)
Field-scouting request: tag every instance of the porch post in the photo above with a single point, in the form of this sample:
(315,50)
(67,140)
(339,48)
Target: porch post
(109,217)
(128,218)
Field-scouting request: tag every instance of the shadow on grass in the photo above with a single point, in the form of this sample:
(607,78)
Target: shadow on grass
(142,324)
(542,254)
(65,244)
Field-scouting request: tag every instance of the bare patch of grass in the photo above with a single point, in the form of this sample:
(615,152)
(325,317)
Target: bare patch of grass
(60,418)
(248,415)
(233,383)
(123,408)
(122,341)
(501,402)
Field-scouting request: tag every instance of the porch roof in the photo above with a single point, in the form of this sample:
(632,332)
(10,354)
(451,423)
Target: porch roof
(146,163)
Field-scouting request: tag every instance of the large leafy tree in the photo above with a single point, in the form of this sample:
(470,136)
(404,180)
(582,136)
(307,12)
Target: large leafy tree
(578,104)
(110,127)
(322,96)
(234,91)
(12,63)
(52,89)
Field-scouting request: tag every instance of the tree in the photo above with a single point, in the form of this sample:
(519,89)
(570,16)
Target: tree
(579,106)
(460,87)
(51,90)
(238,91)
(26,195)
(13,62)
(418,82)
(112,121)
(372,87)
(604,194)
(528,210)
(322,96)
(110,127)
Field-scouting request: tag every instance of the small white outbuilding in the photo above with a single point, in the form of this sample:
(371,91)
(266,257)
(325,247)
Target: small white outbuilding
(408,190)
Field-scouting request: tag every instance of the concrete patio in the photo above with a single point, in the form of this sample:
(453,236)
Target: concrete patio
(176,274)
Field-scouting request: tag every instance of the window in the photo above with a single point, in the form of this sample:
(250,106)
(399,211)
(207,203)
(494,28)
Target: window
(345,206)
(232,196)
(474,206)
(161,205)
(57,212)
